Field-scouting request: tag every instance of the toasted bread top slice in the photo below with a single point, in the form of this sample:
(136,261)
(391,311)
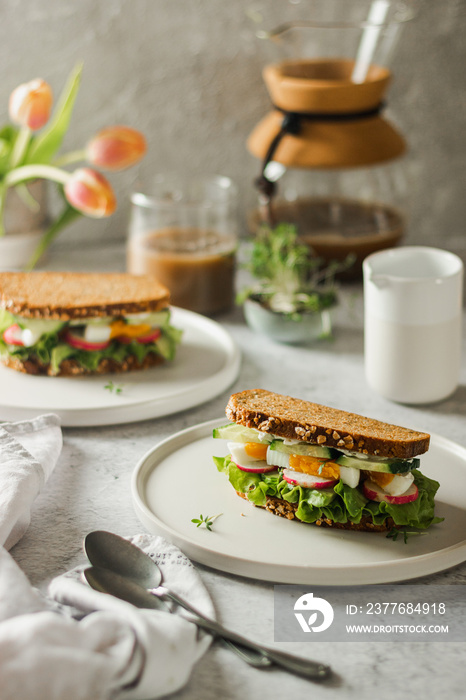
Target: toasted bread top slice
(71,295)
(330,427)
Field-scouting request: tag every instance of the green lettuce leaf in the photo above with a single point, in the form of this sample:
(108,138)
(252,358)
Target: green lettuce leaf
(341,504)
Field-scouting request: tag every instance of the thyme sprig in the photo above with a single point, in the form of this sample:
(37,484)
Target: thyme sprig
(396,532)
(206,521)
(113,388)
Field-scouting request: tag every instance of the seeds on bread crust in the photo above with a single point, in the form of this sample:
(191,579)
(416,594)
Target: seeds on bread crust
(298,419)
(75,295)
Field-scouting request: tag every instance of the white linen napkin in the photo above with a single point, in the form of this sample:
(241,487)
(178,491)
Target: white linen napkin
(113,650)
(29,451)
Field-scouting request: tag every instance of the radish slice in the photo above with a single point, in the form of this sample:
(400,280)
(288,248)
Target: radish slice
(375,493)
(78,342)
(12,335)
(259,467)
(153,335)
(309,481)
(124,339)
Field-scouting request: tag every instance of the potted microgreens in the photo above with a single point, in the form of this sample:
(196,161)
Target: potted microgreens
(291,299)
(29,154)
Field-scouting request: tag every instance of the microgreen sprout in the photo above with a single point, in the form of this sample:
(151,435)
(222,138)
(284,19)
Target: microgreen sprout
(290,279)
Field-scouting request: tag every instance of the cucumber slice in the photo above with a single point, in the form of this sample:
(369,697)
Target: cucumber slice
(238,433)
(302,448)
(389,466)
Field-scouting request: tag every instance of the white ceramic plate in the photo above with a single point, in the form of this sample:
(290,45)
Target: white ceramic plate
(177,480)
(207,362)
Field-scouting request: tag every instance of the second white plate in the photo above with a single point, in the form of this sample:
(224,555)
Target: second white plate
(207,362)
(177,481)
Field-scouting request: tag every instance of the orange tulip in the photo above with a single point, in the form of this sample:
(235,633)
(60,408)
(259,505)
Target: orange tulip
(116,148)
(90,193)
(30,104)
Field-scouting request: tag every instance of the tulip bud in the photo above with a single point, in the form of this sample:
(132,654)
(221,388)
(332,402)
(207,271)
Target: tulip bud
(116,148)
(90,193)
(30,104)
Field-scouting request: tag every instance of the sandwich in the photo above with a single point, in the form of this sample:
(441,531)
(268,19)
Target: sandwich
(300,460)
(68,324)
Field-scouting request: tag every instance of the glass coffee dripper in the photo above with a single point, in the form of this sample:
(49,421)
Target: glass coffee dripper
(330,159)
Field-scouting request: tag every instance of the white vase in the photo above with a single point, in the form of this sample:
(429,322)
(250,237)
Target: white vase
(16,250)
(23,227)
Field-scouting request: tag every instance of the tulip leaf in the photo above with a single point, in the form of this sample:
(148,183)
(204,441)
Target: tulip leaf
(68,215)
(7,138)
(47,143)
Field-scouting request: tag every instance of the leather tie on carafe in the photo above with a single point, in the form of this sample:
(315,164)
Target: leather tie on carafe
(291,124)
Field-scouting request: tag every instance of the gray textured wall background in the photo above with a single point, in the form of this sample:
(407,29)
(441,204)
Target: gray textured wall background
(188,74)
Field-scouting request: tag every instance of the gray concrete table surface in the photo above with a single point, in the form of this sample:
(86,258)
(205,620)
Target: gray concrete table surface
(90,490)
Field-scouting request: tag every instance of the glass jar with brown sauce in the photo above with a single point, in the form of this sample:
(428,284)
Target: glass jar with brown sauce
(185,234)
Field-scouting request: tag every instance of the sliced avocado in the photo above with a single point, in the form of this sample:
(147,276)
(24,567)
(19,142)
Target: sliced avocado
(389,466)
(302,448)
(238,433)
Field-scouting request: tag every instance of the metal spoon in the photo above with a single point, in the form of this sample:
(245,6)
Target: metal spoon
(109,551)
(108,581)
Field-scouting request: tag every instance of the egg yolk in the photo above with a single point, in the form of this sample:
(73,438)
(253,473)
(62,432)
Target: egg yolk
(381,478)
(129,330)
(315,466)
(256,450)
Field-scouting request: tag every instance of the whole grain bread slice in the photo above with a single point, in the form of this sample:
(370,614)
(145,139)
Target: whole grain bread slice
(293,418)
(74,295)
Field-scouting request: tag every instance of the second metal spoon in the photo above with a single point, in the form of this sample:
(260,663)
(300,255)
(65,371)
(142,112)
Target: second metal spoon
(113,553)
(110,551)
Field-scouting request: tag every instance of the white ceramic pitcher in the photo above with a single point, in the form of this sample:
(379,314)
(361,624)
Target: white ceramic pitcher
(412,323)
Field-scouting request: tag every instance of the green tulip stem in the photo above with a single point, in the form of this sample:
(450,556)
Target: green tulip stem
(68,215)
(2,208)
(69,158)
(21,145)
(32,172)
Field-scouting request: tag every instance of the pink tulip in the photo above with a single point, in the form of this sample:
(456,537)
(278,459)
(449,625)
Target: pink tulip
(30,104)
(90,193)
(116,148)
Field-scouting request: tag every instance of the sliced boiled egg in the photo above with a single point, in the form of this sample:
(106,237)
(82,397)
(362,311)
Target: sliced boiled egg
(393,484)
(314,466)
(350,476)
(29,337)
(129,330)
(249,456)
(97,334)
